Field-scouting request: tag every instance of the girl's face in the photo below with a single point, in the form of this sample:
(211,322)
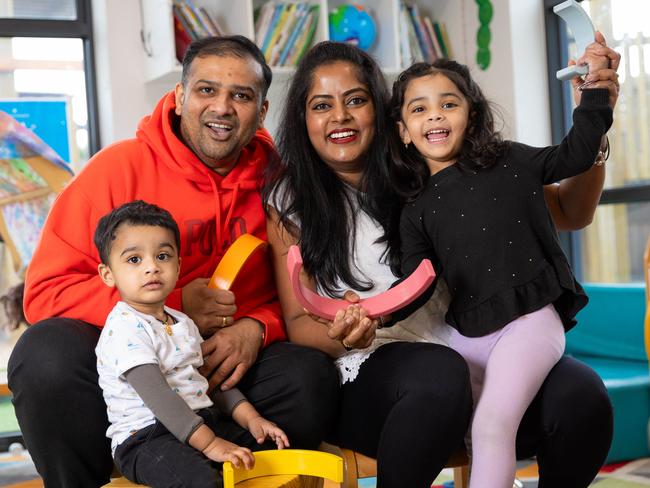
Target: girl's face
(435,116)
(340,118)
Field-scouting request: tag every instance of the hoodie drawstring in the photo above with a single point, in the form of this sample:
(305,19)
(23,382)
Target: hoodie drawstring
(221,230)
(217,211)
(235,194)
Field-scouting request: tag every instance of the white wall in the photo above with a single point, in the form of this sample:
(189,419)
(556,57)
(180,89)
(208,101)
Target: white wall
(124,98)
(516,79)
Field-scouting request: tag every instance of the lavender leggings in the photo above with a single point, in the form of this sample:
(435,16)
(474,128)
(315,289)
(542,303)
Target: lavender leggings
(506,368)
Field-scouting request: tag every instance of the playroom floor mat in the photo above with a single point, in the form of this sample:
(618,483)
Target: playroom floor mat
(18,471)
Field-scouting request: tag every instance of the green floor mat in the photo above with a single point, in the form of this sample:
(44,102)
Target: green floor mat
(8,422)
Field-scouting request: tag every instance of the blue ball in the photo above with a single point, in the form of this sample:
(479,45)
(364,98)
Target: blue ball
(353,24)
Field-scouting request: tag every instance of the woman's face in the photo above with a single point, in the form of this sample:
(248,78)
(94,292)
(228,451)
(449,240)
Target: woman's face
(340,118)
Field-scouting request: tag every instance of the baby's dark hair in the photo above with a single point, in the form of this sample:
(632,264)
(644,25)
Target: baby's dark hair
(136,212)
(482,146)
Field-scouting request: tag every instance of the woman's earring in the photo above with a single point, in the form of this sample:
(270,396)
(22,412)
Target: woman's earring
(406,145)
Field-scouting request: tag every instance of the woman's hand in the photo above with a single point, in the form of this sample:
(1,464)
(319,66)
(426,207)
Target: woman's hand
(353,327)
(603,63)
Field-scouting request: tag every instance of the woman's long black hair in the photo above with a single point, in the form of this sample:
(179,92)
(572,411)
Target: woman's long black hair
(482,145)
(310,193)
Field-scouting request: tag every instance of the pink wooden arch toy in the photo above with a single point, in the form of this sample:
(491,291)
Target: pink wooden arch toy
(376,306)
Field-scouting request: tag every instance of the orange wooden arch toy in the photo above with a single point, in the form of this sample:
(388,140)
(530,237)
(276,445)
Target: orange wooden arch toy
(234,260)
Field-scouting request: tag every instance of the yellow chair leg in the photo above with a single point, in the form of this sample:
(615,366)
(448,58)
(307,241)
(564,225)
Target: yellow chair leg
(461,477)
(359,466)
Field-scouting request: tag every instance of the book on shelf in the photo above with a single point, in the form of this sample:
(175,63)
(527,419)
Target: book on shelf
(414,53)
(417,27)
(297,29)
(434,39)
(283,30)
(263,17)
(195,20)
(277,11)
(421,39)
(181,23)
(189,19)
(209,24)
(182,38)
(406,53)
(304,40)
(437,28)
(445,38)
(431,48)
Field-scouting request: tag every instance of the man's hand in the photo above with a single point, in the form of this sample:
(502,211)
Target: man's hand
(209,308)
(230,352)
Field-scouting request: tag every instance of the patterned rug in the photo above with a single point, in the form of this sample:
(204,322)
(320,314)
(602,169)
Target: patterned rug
(633,474)
(18,471)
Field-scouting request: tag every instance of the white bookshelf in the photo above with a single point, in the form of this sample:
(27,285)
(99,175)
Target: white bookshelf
(236,17)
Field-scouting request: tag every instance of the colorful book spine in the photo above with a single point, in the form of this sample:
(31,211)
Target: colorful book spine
(191,21)
(204,29)
(441,40)
(182,38)
(405,49)
(212,24)
(284,31)
(304,41)
(263,23)
(297,29)
(445,37)
(279,7)
(180,16)
(415,20)
(434,39)
(277,31)
(416,49)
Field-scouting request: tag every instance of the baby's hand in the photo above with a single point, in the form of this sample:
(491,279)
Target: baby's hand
(221,450)
(262,429)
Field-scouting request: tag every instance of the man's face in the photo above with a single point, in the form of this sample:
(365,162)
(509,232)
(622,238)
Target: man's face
(221,107)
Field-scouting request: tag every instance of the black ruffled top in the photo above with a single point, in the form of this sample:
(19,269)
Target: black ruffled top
(489,232)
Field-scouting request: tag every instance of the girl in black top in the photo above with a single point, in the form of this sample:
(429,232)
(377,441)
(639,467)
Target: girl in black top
(480,216)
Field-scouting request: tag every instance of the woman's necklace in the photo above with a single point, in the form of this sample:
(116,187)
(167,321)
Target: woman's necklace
(168,322)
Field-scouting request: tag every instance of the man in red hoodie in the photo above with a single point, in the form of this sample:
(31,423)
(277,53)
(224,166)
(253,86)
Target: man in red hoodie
(200,155)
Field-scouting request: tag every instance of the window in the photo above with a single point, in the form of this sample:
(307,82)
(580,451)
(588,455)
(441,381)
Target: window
(611,248)
(46,56)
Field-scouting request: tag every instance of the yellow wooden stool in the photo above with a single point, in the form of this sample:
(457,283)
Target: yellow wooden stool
(286,462)
(287,468)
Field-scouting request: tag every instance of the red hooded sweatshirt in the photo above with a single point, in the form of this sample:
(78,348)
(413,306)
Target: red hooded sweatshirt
(211,212)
